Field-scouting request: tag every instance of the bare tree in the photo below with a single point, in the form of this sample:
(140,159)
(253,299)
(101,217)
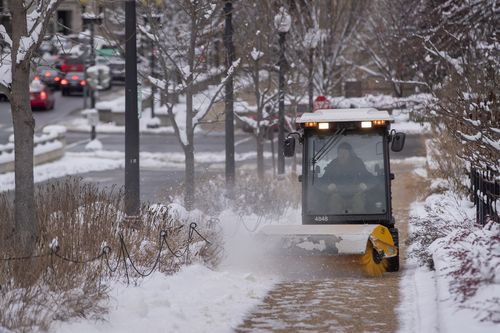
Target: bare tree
(336,22)
(387,39)
(30,19)
(182,43)
(255,39)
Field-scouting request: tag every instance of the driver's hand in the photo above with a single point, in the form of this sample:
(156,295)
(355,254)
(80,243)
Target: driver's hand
(363,186)
(332,187)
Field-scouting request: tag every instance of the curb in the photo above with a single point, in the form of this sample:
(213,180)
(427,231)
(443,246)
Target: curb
(50,146)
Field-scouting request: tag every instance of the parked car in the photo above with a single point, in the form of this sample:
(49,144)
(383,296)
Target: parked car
(41,97)
(108,51)
(117,67)
(50,76)
(73,82)
(69,63)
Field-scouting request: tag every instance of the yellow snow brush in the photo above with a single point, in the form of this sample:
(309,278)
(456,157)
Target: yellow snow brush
(379,247)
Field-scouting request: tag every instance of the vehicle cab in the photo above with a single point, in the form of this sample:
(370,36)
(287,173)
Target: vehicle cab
(346,175)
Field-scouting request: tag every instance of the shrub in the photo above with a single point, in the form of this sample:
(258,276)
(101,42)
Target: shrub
(83,245)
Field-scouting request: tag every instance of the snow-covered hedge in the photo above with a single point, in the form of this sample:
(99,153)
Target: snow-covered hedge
(464,255)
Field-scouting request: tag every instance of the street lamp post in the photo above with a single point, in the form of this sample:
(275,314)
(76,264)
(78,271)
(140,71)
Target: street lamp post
(311,42)
(282,22)
(90,19)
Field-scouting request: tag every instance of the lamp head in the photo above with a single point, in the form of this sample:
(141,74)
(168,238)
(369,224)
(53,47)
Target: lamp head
(282,20)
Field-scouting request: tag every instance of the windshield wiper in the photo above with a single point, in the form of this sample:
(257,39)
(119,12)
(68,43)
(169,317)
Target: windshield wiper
(324,150)
(327,146)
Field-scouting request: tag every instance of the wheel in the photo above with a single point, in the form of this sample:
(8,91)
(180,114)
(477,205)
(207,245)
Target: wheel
(393,263)
(64,92)
(372,263)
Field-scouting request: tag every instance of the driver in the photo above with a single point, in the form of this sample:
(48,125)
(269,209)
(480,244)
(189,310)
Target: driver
(346,177)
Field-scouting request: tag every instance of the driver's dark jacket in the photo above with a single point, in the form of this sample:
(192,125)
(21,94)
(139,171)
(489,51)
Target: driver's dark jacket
(352,172)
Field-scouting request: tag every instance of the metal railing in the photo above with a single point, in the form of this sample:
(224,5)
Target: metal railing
(485,192)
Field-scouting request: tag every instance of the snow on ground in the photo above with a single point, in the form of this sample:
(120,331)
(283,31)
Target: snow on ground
(196,299)
(464,256)
(70,164)
(100,160)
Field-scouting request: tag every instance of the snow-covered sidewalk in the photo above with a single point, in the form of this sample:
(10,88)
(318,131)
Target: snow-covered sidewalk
(195,299)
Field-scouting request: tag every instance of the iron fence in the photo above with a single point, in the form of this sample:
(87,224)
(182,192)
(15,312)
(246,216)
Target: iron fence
(485,191)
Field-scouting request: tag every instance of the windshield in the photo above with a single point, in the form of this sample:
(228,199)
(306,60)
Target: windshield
(349,176)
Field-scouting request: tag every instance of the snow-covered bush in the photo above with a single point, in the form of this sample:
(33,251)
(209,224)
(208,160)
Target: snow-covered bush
(444,236)
(269,197)
(471,260)
(83,244)
(439,216)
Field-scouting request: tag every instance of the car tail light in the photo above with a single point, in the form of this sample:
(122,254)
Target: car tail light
(47,74)
(36,78)
(74,77)
(43,95)
(57,78)
(83,83)
(64,82)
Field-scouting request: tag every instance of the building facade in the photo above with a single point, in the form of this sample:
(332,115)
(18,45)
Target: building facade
(67,19)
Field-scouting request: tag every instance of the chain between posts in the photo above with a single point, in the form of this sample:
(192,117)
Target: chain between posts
(123,254)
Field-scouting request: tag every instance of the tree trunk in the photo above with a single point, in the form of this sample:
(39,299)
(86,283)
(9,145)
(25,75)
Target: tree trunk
(189,148)
(260,131)
(25,227)
(189,196)
(260,154)
(398,89)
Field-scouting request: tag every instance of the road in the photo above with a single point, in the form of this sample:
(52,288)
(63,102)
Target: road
(65,107)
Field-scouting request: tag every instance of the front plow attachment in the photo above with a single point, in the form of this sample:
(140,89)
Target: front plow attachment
(373,242)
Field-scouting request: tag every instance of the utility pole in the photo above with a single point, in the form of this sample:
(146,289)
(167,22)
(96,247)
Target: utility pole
(228,98)
(132,186)
(281,105)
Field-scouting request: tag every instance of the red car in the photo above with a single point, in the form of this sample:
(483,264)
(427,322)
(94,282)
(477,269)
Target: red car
(71,64)
(41,97)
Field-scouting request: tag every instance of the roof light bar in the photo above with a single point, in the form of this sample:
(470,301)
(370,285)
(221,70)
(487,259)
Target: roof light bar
(323,126)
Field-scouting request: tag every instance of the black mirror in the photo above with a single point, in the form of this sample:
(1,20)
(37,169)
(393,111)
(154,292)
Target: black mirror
(398,142)
(289,147)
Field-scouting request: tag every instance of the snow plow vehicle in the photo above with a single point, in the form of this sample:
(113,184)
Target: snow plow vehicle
(346,186)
